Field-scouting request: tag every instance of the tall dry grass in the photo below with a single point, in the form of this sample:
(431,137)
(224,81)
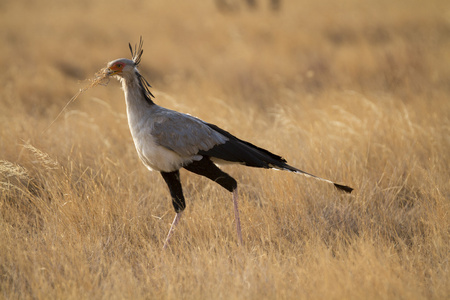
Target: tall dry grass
(354,91)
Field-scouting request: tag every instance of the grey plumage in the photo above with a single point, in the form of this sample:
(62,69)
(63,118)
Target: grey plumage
(184,134)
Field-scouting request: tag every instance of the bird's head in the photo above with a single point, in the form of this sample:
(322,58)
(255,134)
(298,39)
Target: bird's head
(122,67)
(126,70)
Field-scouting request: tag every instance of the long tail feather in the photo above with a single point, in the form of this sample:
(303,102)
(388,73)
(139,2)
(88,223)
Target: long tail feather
(344,188)
(239,151)
(340,187)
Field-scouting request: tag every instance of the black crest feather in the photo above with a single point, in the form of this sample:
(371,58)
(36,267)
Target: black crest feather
(136,53)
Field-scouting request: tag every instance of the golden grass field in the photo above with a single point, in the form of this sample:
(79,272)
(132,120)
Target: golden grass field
(354,91)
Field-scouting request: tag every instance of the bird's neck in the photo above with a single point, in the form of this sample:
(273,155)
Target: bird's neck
(138,103)
(134,89)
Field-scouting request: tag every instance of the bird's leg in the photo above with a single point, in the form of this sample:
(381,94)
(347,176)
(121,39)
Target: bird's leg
(207,168)
(173,182)
(236,216)
(172,229)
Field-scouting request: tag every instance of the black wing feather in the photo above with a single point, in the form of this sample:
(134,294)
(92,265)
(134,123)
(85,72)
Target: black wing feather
(239,151)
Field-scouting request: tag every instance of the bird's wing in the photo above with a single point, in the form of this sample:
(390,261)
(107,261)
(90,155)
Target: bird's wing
(239,151)
(189,136)
(184,134)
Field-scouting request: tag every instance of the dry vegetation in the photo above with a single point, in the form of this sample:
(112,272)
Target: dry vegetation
(355,91)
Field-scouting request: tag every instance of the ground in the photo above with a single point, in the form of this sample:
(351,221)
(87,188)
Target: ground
(353,91)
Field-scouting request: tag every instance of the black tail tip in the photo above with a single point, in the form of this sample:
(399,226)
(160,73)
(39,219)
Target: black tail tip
(344,188)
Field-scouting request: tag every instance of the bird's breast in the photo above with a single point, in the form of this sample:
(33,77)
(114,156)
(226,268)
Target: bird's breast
(154,156)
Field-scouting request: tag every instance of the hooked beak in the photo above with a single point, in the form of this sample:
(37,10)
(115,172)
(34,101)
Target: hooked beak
(114,70)
(111,72)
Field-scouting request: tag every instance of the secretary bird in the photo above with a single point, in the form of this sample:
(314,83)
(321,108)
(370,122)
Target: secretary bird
(167,141)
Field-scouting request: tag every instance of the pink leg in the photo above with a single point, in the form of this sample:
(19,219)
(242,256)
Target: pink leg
(172,229)
(236,216)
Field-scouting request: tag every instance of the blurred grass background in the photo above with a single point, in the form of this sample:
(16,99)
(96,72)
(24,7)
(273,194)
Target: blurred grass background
(354,91)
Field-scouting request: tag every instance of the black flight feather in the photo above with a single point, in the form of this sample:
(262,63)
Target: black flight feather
(239,151)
